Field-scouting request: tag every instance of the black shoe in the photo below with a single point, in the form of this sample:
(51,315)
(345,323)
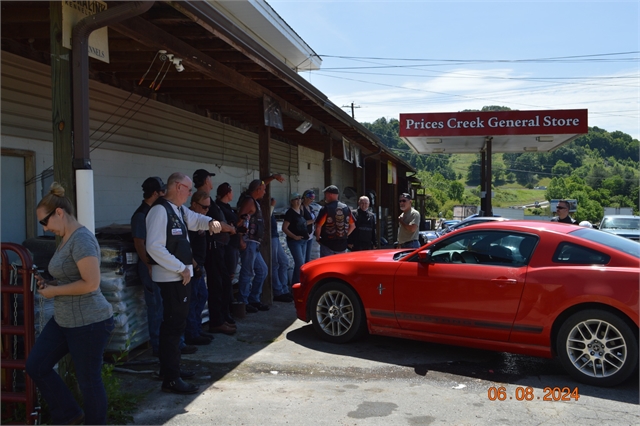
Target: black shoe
(199,340)
(229,320)
(259,306)
(207,334)
(286,298)
(180,387)
(189,349)
(184,374)
(251,309)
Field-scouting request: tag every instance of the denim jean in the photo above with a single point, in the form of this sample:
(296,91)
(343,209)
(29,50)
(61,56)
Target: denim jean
(279,268)
(86,345)
(199,296)
(307,255)
(253,271)
(410,244)
(326,251)
(153,300)
(298,251)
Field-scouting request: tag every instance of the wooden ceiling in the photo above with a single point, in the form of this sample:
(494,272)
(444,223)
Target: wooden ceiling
(222,79)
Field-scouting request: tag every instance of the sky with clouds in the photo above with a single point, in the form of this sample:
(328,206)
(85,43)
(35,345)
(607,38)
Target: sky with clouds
(392,57)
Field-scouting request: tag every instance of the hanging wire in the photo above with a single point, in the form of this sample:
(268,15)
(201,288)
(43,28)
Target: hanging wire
(150,65)
(98,142)
(119,127)
(153,83)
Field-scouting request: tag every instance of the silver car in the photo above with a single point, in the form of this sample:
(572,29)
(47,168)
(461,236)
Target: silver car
(627,226)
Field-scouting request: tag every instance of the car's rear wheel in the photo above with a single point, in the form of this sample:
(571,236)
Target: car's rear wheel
(338,316)
(597,347)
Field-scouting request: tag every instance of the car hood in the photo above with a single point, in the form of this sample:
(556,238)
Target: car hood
(357,256)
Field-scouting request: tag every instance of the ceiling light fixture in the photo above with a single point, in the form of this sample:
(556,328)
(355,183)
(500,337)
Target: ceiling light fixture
(178,64)
(544,138)
(438,150)
(433,140)
(531,148)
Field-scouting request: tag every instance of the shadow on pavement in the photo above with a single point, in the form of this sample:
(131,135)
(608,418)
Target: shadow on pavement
(499,367)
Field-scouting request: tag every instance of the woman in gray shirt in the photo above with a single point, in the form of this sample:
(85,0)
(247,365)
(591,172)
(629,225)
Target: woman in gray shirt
(82,321)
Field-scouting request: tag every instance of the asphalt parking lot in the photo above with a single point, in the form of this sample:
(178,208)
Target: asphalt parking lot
(275,371)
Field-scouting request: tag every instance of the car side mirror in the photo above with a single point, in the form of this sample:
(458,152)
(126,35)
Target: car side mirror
(424,256)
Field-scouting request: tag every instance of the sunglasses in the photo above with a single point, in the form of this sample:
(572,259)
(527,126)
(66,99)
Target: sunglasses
(561,208)
(404,201)
(45,221)
(203,206)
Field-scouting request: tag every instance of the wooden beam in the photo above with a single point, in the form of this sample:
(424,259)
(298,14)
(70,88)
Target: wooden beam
(61,106)
(148,34)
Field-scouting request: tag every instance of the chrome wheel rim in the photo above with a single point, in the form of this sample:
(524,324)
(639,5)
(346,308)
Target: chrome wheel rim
(596,348)
(334,313)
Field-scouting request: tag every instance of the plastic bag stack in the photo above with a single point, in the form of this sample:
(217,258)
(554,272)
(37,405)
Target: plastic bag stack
(121,286)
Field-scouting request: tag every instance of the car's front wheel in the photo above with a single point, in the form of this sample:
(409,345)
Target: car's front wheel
(338,316)
(597,347)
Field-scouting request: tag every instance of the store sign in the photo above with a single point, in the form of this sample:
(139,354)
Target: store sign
(75,11)
(494,123)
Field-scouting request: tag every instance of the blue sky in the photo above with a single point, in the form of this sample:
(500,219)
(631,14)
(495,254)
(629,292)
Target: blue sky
(430,56)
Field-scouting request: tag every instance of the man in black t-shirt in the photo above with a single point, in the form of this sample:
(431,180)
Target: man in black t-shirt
(364,236)
(218,277)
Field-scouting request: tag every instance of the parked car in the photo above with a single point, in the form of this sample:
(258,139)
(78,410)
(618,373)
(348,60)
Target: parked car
(627,226)
(426,236)
(536,288)
(471,221)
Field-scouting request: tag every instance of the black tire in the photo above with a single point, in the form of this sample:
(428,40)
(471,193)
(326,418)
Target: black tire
(337,313)
(597,347)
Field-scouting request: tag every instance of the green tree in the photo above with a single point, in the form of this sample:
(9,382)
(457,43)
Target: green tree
(561,169)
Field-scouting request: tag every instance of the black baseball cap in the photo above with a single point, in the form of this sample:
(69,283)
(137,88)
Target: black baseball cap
(153,184)
(200,176)
(332,189)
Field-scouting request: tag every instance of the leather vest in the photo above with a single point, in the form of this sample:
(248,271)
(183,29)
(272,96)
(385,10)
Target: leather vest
(336,225)
(177,242)
(256,223)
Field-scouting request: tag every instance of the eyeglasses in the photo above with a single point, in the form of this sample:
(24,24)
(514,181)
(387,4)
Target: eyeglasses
(186,186)
(45,221)
(404,201)
(561,208)
(207,207)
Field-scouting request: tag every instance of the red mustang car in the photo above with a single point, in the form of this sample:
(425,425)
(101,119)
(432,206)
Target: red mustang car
(536,288)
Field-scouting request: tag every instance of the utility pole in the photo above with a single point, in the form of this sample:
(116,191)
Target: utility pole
(353,115)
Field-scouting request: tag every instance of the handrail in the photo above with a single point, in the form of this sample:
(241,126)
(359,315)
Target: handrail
(11,396)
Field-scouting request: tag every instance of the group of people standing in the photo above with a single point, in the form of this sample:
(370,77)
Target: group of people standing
(187,257)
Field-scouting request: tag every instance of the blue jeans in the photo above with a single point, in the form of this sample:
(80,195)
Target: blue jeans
(153,300)
(199,296)
(410,244)
(253,271)
(307,256)
(280,268)
(86,345)
(298,251)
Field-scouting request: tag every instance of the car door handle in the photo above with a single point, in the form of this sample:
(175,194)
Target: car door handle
(504,281)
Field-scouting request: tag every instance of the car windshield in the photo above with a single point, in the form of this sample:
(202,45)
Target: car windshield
(618,243)
(621,223)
